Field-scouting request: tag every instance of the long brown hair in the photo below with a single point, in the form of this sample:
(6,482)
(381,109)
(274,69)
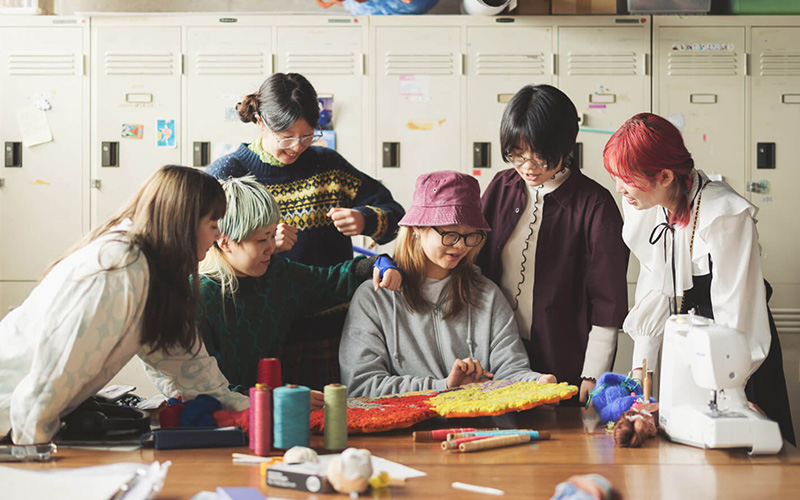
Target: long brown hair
(166,212)
(411,259)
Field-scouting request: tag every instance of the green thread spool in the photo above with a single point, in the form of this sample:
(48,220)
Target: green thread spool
(335,416)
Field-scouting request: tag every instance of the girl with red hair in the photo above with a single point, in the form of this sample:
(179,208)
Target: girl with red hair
(697,243)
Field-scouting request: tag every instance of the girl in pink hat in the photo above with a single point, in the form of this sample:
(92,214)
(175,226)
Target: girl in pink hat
(448,325)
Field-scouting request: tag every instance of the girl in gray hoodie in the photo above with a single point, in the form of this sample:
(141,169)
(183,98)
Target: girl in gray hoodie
(448,325)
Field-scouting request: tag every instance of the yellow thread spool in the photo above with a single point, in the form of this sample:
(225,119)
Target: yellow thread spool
(335,416)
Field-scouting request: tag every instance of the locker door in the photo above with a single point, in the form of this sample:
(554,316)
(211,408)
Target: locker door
(225,64)
(331,58)
(701,85)
(41,199)
(418,106)
(775,120)
(604,71)
(136,75)
(500,61)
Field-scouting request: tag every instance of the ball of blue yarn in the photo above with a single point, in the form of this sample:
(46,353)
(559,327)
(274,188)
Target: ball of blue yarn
(612,395)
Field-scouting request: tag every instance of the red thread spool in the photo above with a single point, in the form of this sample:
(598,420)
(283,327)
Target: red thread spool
(261,428)
(269,372)
(252,434)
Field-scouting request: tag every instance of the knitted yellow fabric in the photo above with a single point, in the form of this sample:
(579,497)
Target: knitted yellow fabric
(498,397)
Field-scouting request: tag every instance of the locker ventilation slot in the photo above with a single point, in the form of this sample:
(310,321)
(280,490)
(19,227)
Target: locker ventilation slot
(139,63)
(41,63)
(708,64)
(322,64)
(420,64)
(623,64)
(510,64)
(780,64)
(787,320)
(233,63)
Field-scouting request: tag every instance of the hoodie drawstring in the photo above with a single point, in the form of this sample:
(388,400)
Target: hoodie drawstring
(394,328)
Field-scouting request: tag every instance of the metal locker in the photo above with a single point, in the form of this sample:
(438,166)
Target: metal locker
(775,119)
(604,70)
(417,107)
(43,181)
(501,59)
(331,56)
(136,85)
(700,86)
(225,62)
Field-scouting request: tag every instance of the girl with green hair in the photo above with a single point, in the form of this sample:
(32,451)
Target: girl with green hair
(252,295)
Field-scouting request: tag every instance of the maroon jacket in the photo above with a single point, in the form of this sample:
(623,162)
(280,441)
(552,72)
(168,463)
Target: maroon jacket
(581,263)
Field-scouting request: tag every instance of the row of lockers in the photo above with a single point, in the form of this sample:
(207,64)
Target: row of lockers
(91,106)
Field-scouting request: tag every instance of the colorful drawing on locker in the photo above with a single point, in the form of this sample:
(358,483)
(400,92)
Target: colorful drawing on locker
(325,111)
(328,139)
(132,131)
(165,137)
(381,7)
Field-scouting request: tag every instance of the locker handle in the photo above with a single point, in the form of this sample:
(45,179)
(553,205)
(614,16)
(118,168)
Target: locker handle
(363,62)
(703,98)
(2,182)
(553,61)
(790,98)
(644,64)
(109,154)
(13,155)
(201,153)
(461,63)
(391,155)
(481,155)
(577,155)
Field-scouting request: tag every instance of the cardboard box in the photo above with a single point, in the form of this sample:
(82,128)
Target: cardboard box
(584,7)
(531,8)
(307,476)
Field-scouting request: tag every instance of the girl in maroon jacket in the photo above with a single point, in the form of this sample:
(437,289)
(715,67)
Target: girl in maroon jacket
(555,248)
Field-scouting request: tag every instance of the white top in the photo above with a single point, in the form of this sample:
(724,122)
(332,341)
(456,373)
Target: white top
(726,231)
(519,255)
(76,330)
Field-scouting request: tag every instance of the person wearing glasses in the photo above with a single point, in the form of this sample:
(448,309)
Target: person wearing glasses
(556,248)
(323,199)
(448,325)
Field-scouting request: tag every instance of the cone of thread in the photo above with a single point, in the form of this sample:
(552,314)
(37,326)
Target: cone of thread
(335,416)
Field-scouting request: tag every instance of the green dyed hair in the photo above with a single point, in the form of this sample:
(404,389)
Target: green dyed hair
(249,207)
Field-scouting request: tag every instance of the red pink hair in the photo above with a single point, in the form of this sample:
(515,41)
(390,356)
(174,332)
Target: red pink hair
(641,149)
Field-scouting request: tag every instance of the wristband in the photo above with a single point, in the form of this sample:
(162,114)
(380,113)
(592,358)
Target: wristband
(384,263)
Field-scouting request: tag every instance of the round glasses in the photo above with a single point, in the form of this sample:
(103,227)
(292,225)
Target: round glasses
(450,238)
(519,160)
(290,142)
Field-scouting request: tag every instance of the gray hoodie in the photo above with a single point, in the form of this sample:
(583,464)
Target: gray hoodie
(387,349)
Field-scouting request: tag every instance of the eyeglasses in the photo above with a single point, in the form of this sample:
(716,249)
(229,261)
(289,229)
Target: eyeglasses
(519,160)
(290,142)
(450,238)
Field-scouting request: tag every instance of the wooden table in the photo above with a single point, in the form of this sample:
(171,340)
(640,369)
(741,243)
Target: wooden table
(660,469)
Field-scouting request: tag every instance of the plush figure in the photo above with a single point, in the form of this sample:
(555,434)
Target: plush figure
(299,455)
(350,472)
(614,395)
(633,428)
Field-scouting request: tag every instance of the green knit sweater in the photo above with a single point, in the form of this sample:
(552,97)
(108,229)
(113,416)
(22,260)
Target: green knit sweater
(255,323)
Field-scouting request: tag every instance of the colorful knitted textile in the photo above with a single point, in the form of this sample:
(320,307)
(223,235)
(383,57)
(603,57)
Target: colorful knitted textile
(365,415)
(483,399)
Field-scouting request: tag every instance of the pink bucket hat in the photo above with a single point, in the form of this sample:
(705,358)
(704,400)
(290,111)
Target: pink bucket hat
(446,198)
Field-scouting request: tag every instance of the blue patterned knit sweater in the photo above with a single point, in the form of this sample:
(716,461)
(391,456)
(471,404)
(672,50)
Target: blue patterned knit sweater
(317,181)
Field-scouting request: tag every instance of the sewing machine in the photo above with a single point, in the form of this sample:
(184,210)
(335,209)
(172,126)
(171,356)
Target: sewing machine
(704,369)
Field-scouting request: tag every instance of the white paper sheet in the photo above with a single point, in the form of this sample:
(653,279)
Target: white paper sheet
(33,127)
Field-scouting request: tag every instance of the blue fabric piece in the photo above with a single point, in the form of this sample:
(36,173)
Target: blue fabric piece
(569,491)
(198,412)
(612,395)
(384,263)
